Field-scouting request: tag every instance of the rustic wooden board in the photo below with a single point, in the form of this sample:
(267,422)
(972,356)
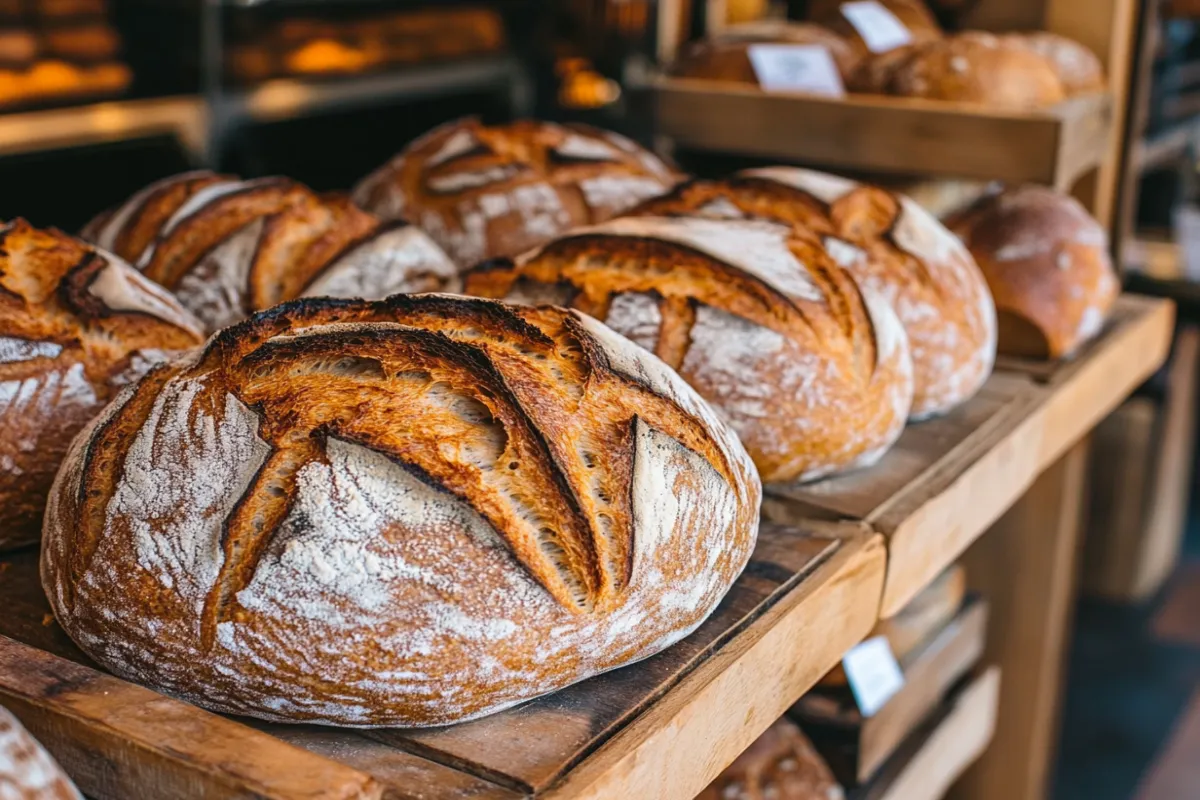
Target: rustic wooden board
(806,597)
(871,133)
(856,748)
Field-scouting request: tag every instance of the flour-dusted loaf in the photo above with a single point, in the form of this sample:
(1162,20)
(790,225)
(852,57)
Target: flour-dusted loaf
(814,375)
(486,191)
(76,325)
(413,512)
(726,57)
(228,247)
(893,247)
(27,771)
(782,764)
(1078,68)
(913,15)
(1047,262)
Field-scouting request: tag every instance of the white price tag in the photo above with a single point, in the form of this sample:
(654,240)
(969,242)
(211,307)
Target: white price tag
(873,673)
(879,28)
(1187,233)
(796,68)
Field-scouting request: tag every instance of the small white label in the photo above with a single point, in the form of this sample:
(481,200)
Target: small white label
(873,674)
(1187,233)
(879,28)
(804,68)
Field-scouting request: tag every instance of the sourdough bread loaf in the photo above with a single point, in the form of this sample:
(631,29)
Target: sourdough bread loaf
(413,512)
(1077,67)
(228,247)
(893,248)
(782,764)
(27,771)
(726,57)
(485,191)
(1046,260)
(814,375)
(914,15)
(76,325)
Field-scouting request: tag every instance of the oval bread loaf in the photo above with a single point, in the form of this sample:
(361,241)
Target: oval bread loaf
(486,191)
(76,325)
(782,764)
(813,375)
(228,247)
(414,512)
(1078,68)
(27,771)
(726,57)
(891,246)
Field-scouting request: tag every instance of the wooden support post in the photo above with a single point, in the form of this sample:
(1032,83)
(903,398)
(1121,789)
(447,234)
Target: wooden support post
(1026,567)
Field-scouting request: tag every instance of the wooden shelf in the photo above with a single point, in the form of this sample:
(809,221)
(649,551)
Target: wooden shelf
(948,479)
(97,123)
(870,133)
(661,728)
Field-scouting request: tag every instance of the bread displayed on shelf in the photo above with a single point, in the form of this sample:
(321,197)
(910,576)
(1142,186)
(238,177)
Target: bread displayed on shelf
(77,325)
(847,18)
(85,43)
(1078,68)
(228,247)
(726,57)
(27,771)
(489,191)
(52,81)
(892,247)
(18,47)
(1047,262)
(813,374)
(782,764)
(415,512)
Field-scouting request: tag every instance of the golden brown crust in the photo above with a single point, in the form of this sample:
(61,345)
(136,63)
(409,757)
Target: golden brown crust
(780,765)
(726,57)
(913,14)
(75,326)
(1047,263)
(1077,67)
(419,511)
(489,191)
(27,771)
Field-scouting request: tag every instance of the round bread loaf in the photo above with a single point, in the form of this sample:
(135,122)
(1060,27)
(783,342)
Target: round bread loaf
(912,14)
(487,191)
(876,71)
(1077,67)
(892,247)
(228,247)
(414,512)
(1047,263)
(979,68)
(780,765)
(76,325)
(813,375)
(726,57)
(27,771)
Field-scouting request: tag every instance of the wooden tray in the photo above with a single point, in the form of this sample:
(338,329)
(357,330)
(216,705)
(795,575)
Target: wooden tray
(662,728)
(941,750)
(856,748)
(872,133)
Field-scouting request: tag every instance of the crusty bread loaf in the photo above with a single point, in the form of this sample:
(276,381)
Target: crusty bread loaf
(892,247)
(413,512)
(27,771)
(726,57)
(76,325)
(979,68)
(487,191)
(913,14)
(813,375)
(1077,67)
(780,765)
(1047,263)
(228,247)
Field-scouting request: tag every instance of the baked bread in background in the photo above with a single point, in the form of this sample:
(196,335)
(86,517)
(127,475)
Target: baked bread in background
(486,191)
(87,43)
(76,325)
(1046,260)
(892,247)
(27,771)
(814,375)
(1077,67)
(416,512)
(725,57)
(782,764)
(228,247)
(913,14)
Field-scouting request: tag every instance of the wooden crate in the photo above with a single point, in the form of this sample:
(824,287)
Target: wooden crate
(661,728)
(870,133)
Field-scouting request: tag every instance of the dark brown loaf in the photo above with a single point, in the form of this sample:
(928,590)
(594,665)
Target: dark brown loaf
(813,375)
(782,764)
(487,191)
(414,512)
(228,247)
(1047,263)
(27,771)
(891,246)
(913,14)
(726,57)
(76,325)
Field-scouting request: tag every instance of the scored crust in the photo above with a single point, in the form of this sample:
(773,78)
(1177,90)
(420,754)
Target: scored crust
(487,191)
(27,771)
(892,246)
(813,375)
(416,512)
(228,247)
(76,325)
